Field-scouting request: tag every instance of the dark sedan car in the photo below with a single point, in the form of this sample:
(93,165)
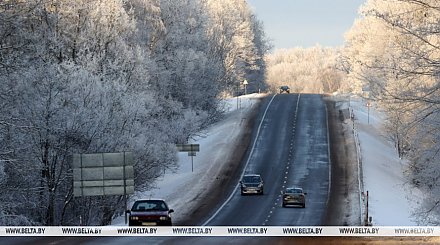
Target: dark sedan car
(150,212)
(294,196)
(284,89)
(252,184)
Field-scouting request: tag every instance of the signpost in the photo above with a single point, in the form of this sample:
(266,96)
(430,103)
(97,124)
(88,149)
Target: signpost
(238,93)
(103,174)
(368,111)
(191,149)
(245,83)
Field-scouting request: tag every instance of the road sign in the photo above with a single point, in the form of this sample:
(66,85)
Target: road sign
(188,147)
(103,174)
(191,149)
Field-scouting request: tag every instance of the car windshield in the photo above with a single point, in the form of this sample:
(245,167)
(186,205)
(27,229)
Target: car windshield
(150,205)
(294,191)
(251,179)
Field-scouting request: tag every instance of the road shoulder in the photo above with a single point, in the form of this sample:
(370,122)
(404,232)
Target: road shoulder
(343,205)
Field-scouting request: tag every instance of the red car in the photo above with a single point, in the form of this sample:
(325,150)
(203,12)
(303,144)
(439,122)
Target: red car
(150,212)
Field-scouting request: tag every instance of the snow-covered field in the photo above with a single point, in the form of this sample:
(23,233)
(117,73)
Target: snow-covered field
(391,201)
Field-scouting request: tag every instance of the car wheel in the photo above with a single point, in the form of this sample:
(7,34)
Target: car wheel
(304,205)
(284,205)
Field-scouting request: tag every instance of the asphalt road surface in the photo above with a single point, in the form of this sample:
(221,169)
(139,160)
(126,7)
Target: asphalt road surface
(291,149)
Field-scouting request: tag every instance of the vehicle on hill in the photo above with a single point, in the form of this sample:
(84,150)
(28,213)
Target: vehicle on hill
(252,184)
(285,89)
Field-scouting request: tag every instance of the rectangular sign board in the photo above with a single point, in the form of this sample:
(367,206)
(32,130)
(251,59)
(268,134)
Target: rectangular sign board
(103,174)
(188,147)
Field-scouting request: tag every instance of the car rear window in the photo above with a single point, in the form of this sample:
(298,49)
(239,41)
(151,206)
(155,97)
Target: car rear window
(294,191)
(251,179)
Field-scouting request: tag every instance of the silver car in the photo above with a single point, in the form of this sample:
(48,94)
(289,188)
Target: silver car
(294,196)
(252,184)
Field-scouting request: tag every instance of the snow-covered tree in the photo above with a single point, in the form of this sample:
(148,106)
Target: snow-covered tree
(100,76)
(312,70)
(231,31)
(394,49)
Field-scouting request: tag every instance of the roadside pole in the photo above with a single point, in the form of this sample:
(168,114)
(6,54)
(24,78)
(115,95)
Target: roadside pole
(368,111)
(191,149)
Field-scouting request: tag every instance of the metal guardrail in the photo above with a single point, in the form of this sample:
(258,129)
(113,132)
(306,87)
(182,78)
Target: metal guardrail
(363,200)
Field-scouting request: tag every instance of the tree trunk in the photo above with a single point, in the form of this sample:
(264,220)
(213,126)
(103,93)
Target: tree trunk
(51,208)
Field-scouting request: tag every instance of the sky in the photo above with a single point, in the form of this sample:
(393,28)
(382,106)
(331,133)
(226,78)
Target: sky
(306,23)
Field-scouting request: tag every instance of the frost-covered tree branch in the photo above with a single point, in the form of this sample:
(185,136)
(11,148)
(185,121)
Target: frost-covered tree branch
(394,49)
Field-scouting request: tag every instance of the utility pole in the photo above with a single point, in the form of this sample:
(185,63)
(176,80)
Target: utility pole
(238,89)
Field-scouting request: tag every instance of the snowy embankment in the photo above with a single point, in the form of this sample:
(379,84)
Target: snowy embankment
(182,189)
(391,199)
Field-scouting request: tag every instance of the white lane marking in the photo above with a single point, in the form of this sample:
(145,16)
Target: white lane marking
(245,166)
(290,155)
